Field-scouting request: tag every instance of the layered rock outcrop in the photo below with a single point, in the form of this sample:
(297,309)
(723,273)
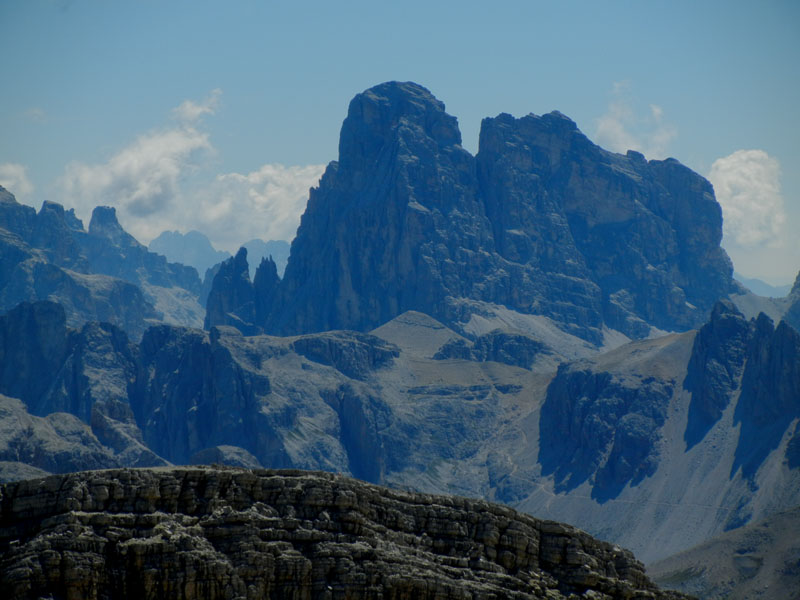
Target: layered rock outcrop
(506,347)
(541,221)
(204,533)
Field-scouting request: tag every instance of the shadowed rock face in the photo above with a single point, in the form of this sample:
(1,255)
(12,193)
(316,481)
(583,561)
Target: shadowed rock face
(603,427)
(598,444)
(203,533)
(715,368)
(770,397)
(103,274)
(85,373)
(759,361)
(231,300)
(792,315)
(541,221)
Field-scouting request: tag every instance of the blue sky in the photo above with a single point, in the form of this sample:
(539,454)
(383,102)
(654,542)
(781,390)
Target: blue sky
(219,116)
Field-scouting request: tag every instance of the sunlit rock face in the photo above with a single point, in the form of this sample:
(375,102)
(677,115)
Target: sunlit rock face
(541,221)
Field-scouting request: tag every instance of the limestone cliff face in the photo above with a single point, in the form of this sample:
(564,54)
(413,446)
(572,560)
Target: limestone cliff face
(602,427)
(715,369)
(757,366)
(113,251)
(231,300)
(624,241)
(102,274)
(41,258)
(792,315)
(395,225)
(541,221)
(204,533)
(599,443)
(84,373)
(191,394)
(770,396)
(603,421)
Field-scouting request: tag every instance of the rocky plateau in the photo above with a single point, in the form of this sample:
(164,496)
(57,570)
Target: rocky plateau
(211,533)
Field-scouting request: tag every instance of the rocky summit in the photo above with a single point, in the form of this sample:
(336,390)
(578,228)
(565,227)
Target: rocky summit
(102,274)
(202,533)
(541,221)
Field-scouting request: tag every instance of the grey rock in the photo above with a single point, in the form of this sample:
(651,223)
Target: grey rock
(602,427)
(57,443)
(541,221)
(770,396)
(232,456)
(103,274)
(210,533)
(506,347)
(792,314)
(265,288)
(86,373)
(231,300)
(208,283)
(33,346)
(379,408)
(28,273)
(351,353)
(715,368)
(191,394)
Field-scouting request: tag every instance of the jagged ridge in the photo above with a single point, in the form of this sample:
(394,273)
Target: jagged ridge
(541,221)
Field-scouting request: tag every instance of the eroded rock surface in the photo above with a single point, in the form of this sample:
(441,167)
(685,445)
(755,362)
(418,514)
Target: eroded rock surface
(102,274)
(541,221)
(603,427)
(204,533)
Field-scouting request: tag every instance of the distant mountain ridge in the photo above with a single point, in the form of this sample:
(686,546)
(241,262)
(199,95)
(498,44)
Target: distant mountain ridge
(100,274)
(763,288)
(192,248)
(541,221)
(546,324)
(683,436)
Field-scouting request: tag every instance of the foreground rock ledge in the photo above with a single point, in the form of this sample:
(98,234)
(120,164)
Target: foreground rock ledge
(234,533)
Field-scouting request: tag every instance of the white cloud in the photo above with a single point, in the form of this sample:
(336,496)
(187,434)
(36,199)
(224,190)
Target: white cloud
(190,111)
(621,128)
(142,180)
(150,183)
(747,185)
(265,204)
(14,178)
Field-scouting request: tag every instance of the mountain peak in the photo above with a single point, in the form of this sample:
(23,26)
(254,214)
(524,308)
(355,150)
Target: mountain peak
(104,224)
(384,115)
